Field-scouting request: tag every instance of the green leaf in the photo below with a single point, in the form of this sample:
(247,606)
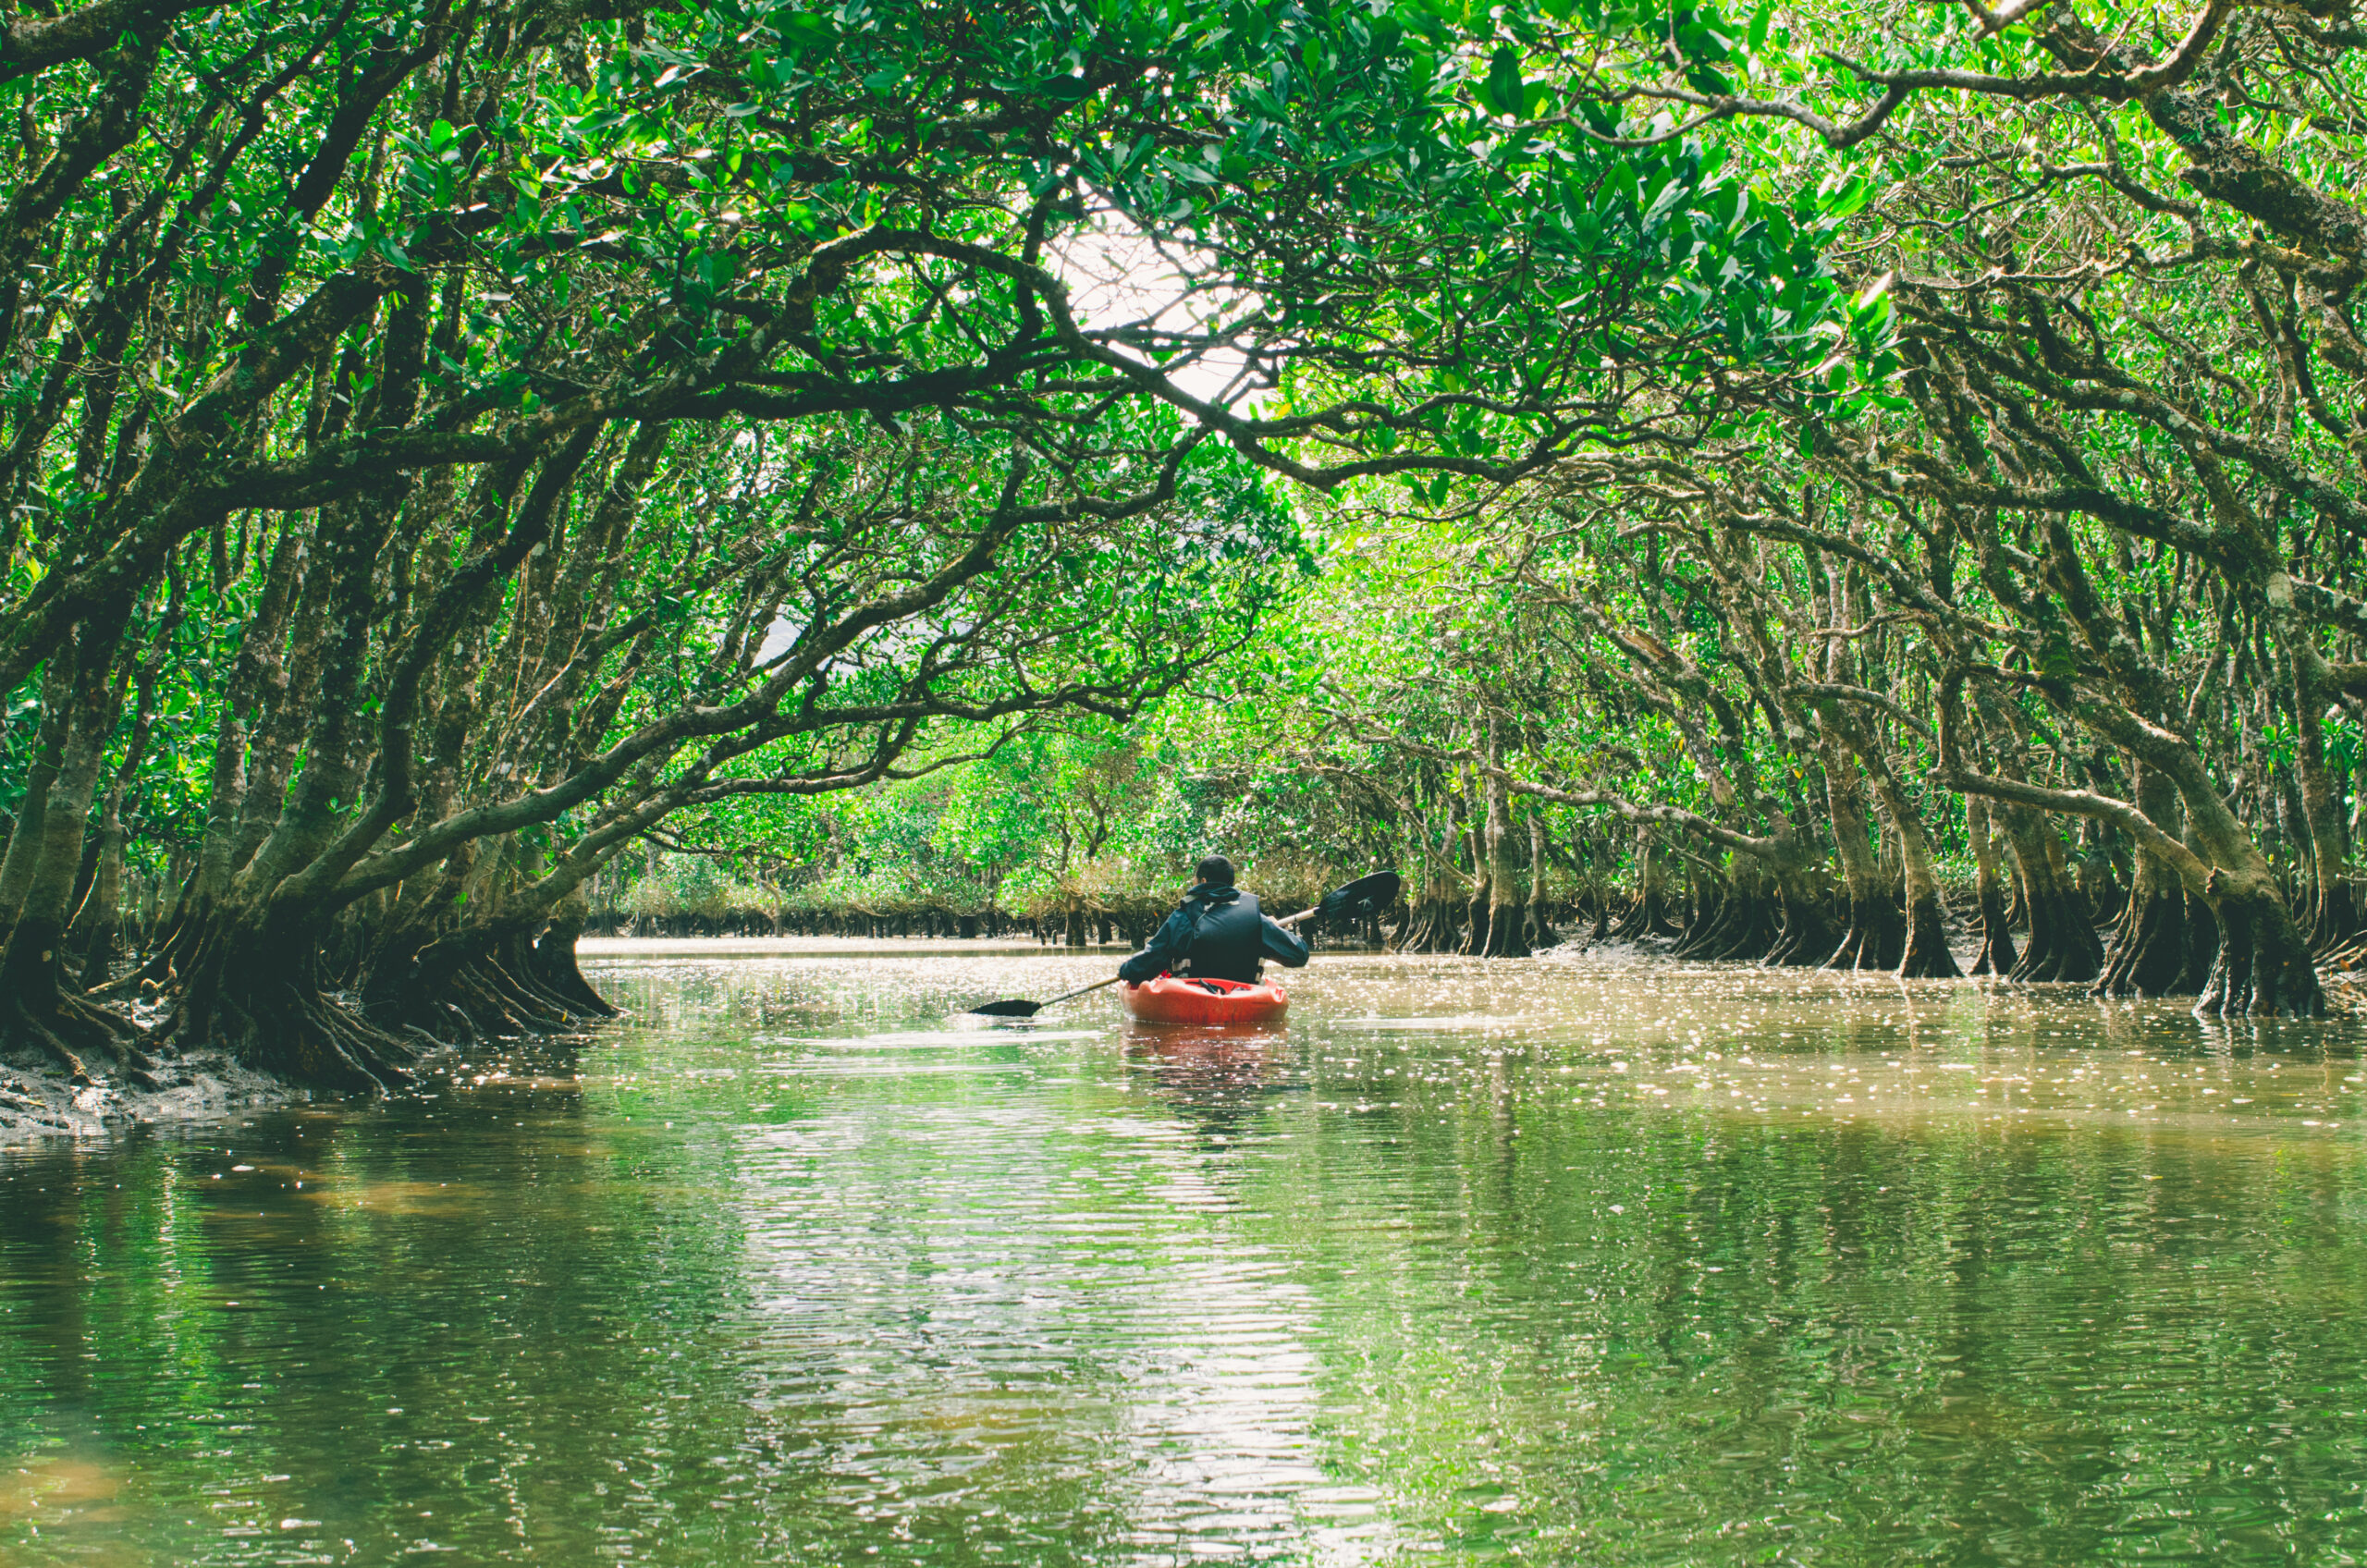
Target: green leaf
(1502,90)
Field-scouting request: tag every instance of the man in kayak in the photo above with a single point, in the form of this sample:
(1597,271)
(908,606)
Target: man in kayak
(1217,932)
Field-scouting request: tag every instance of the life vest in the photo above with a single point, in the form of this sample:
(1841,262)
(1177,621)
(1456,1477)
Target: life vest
(1228,934)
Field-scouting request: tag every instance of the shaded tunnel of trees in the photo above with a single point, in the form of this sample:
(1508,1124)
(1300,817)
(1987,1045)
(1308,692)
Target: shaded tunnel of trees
(1813,490)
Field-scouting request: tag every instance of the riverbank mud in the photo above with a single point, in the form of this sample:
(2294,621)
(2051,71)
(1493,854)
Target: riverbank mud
(35,1104)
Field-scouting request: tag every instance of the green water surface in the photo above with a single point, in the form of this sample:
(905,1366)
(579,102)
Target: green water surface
(1597,1262)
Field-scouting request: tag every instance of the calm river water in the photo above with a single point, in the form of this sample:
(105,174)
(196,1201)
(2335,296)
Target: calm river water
(1591,1262)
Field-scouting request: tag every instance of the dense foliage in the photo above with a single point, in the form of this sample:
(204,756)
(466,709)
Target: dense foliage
(2049,571)
(443,443)
(2094,555)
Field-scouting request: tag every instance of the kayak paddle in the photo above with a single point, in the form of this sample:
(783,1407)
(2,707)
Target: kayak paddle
(1360,897)
(1363,896)
(1020,1008)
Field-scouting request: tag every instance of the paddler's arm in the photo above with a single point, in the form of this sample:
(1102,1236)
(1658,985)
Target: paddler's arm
(1284,945)
(1164,951)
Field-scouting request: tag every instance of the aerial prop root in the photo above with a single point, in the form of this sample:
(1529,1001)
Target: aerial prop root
(1740,928)
(1705,926)
(307,1039)
(534,1006)
(1804,936)
(2062,944)
(179,948)
(1876,937)
(72,1032)
(1646,916)
(553,963)
(487,1012)
(2264,968)
(2336,925)
(544,978)
(2150,952)
(1928,955)
(567,983)
(1997,956)
(489,1002)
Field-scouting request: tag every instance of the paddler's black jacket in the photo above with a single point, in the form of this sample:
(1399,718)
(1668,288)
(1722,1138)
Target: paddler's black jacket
(1223,935)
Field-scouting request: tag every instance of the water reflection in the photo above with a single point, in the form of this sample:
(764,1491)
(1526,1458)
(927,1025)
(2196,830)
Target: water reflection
(1601,1262)
(1220,1079)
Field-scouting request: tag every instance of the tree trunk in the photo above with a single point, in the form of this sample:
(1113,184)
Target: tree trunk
(1926,954)
(251,988)
(35,1010)
(1997,936)
(1746,920)
(1877,933)
(2166,938)
(1540,933)
(1507,921)
(25,836)
(2062,943)
(1431,922)
(2333,912)
(1647,915)
(1474,921)
(98,924)
(1808,930)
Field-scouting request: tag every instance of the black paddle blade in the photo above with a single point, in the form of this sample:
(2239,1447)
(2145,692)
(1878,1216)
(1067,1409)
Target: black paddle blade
(1362,896)
(1005,1010)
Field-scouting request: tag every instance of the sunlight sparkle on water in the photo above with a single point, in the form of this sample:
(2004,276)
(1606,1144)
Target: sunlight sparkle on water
(1601,1261)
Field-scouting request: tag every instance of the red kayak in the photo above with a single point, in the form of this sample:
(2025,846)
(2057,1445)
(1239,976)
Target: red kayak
(1180,999)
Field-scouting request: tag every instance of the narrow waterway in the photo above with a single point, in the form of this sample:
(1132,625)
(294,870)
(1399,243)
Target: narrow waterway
(1594,1262)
